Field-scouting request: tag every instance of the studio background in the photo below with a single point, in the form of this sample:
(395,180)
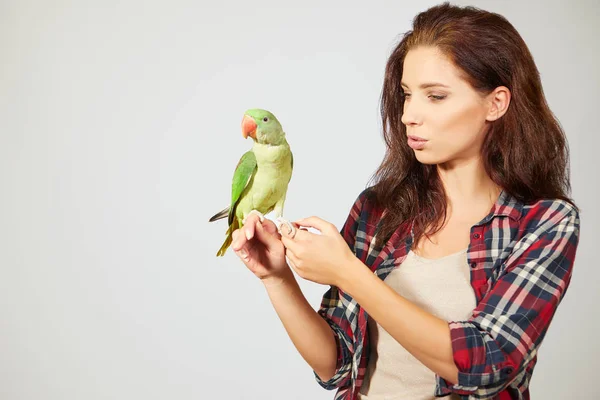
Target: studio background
(119,135)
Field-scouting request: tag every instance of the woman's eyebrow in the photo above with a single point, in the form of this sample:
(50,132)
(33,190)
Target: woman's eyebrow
(427,85)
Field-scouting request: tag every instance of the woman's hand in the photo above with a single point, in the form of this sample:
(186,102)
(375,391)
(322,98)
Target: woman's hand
(323,258)
(259,247)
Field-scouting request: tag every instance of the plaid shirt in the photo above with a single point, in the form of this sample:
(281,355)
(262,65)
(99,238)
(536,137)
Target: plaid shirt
(521,260)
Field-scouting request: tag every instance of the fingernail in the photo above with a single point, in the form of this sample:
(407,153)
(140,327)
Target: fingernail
(248,235)
(244,253)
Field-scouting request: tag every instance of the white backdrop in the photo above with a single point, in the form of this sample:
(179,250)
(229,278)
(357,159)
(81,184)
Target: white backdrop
(119,134)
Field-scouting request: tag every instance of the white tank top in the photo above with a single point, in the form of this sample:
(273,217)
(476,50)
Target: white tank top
(441,287)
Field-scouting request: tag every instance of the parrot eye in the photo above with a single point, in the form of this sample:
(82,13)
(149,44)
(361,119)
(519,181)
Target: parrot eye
(266,119)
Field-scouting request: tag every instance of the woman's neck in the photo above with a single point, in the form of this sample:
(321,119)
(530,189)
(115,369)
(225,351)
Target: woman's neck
(468,186)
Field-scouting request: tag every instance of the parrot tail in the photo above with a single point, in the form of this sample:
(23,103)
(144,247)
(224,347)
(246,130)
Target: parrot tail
(228,239)
(220,215)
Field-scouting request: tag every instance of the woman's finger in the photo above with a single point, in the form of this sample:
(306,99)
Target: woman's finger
(252,221)
(269,226)
(269,239)
(301,234)
(250,226)
(292,259)
(243,255)
(290,242)
(317,223)
(237,239)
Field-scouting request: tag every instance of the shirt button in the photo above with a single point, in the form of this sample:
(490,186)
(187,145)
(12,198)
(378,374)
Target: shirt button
(476,236)
(473,264)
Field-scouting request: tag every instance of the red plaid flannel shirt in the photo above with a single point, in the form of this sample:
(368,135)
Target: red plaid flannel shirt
(521,260)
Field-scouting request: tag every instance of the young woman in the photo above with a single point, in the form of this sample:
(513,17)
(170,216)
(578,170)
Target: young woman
(449,269)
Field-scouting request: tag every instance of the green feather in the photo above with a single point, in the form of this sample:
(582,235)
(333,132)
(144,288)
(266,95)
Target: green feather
(242,178)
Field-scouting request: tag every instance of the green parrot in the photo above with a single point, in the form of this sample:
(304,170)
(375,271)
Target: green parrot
(261,178)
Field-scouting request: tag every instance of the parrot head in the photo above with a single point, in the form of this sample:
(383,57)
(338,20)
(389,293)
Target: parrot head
(262,127)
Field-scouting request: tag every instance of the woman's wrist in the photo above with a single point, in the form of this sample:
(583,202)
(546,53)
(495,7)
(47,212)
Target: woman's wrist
(352,269)
(277,280)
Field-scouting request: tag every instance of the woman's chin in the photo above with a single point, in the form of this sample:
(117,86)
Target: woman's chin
(425,157)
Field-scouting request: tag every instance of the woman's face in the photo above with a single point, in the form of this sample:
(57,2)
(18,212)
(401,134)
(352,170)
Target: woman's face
(441,108)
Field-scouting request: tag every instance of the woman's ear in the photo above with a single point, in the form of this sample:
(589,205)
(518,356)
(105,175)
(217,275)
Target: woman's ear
(499,101)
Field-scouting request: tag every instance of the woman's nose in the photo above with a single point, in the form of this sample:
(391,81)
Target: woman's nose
(410,115)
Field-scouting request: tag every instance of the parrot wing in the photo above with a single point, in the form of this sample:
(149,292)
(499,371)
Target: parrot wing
(242,176)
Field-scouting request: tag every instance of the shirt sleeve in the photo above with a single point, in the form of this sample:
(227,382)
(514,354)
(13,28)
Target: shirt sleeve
(502,337)
(334,312)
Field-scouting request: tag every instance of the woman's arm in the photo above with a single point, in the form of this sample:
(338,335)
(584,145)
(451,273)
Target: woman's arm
(309,332)
(322,337)
(485,353)
(424,335)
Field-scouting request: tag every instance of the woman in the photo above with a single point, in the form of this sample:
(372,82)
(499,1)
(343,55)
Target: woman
(448,270)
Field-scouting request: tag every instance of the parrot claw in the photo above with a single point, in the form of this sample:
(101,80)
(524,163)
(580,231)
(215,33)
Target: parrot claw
(260,216)
(280,222)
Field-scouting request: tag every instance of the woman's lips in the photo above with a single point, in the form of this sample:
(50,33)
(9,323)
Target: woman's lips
(416,142)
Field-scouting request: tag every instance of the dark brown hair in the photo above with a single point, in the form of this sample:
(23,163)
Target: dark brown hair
(525,151)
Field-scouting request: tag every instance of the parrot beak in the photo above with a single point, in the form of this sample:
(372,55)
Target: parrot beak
(248,127)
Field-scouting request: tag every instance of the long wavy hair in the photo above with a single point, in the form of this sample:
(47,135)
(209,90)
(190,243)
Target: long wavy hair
(525,152)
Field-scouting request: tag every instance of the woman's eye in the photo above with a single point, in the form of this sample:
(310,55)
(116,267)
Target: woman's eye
(266,119)
(431,96)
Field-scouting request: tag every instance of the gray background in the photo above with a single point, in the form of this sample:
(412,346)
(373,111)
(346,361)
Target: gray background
(119,134)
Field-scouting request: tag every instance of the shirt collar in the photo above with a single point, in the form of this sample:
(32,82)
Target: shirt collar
(507,205)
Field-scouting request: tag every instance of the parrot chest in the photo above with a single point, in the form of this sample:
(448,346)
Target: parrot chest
(274,170)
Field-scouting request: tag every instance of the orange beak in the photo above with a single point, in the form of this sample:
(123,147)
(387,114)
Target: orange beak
(248,127)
